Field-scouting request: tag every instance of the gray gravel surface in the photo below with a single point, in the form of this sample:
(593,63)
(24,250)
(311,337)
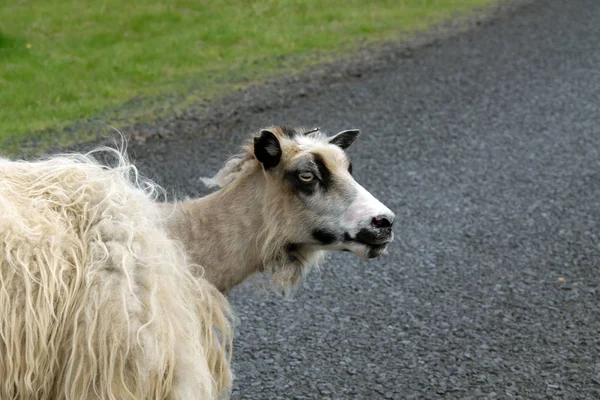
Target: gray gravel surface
(487,147)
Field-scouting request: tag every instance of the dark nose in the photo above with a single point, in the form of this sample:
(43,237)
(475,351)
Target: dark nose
(379,232)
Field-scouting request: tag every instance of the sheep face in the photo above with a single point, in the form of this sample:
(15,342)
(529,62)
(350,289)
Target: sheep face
(312,197)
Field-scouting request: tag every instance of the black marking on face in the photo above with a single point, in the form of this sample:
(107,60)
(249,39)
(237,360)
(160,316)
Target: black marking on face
(292,257)
(291,247)
(324,172)
(374,237)
(292,253)
(367,236)
(287,131)
(267,149)
(324,236)
(350,167)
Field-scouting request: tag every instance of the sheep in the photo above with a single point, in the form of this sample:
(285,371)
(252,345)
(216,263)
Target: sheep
(283,201)
(107,293)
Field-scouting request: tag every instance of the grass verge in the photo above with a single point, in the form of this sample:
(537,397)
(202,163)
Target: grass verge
(67,60)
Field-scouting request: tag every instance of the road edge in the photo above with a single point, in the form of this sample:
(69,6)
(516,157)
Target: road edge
(208,117)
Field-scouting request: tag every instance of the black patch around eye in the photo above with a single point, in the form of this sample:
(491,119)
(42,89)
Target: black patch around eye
(324,172)
(350,168)
(297,185)
(323,236)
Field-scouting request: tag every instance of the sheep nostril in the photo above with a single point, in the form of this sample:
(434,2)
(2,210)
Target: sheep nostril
(381,223)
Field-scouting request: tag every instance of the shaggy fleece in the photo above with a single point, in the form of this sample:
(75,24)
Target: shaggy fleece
(96,302)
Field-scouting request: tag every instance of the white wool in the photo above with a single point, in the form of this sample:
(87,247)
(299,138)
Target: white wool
(235,167)
(96,302)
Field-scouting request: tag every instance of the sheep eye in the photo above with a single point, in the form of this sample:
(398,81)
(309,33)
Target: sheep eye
(306,176)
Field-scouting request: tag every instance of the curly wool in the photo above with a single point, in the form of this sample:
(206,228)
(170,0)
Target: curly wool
(96,302)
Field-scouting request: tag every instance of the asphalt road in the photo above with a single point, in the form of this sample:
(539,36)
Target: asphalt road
(487,147)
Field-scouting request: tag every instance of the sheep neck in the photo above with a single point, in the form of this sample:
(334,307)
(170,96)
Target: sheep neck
(220,232)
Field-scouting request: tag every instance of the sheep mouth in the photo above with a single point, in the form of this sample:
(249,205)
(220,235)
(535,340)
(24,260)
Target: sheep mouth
(371,242)
(370,248)
(376,250)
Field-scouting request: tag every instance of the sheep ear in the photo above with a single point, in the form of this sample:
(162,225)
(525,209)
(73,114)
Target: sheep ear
(267,149)
(345,138)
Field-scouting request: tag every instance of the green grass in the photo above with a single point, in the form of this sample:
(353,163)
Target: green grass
(64,61)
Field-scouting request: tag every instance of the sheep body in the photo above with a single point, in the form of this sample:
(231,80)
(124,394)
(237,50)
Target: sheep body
(96,301)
